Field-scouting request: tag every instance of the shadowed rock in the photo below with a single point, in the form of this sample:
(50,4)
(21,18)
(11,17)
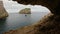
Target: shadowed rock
(53,5)
(3,12)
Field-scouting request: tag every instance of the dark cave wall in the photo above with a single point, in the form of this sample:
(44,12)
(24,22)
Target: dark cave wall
(53,5)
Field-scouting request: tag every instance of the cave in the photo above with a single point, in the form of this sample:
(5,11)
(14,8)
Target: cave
(50,24)
(52,5)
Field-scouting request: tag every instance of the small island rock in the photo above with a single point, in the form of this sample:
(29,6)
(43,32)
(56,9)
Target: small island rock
(25,11)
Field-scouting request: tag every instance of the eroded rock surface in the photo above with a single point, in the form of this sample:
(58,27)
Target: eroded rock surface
(3,12)
(25,11)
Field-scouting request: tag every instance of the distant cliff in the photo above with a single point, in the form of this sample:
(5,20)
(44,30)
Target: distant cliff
(25,11)
(3,12)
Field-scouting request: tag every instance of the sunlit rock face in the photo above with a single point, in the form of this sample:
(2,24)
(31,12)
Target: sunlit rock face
(3,12)
(53,5)
(25,11)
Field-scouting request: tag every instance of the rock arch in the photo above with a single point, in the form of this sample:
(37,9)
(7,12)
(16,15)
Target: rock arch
(53,5)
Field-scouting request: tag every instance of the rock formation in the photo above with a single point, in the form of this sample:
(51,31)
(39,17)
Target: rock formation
(3,12)
(25,11)
(53,5)
(50,24)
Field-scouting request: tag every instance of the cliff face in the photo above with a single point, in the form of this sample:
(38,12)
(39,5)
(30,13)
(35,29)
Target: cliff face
(3,12)
(53,5)
(25,11)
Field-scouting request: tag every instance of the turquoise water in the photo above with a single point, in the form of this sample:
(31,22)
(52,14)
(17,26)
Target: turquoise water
(15,20)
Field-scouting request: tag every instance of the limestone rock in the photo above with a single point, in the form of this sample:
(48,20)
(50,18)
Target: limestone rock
(3,12)
(25,11)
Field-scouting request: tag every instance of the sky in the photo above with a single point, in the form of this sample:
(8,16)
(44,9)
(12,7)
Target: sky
(13,7)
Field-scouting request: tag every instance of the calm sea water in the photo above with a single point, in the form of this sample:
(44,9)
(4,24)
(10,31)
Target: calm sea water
(15,20)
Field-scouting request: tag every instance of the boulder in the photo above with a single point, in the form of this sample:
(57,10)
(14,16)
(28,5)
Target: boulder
(3,12)
(25,11)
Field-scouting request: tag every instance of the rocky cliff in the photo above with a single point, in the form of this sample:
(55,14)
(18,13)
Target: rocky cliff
(3,12)
(25,11)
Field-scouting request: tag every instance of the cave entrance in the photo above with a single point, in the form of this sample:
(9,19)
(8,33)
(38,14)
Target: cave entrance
(14,7)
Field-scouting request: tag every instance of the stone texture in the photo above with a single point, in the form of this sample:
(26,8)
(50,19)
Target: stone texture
(53,5)
(3,12)
(25,11)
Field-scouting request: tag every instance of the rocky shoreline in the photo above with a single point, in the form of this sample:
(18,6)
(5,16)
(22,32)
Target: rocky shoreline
(3,12)
(4,15)
(50,24)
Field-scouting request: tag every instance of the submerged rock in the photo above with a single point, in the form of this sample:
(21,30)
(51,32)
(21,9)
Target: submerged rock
(3,12)
(25,11)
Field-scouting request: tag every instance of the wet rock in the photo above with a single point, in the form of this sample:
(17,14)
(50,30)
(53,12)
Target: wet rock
(25,11)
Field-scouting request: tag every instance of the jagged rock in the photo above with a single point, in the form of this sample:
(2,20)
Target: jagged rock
(25,11)
(53,5)
(3,12)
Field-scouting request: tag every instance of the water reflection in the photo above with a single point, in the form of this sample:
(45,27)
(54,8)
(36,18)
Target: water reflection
(28,19)
(25,15)
(2,25)
(14,21)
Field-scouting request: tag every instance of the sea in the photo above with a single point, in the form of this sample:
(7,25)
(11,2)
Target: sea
(16,20)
